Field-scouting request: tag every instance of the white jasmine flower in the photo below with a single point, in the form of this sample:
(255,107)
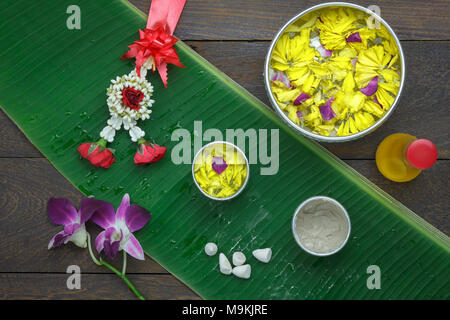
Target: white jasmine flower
(136,133)
(108,133)
(115,122)
(128,123)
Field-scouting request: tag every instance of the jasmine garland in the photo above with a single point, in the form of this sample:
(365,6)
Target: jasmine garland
(129,96)
(129,100)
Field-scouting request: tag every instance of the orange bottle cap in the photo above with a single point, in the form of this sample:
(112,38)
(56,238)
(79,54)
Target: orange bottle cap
(421,153)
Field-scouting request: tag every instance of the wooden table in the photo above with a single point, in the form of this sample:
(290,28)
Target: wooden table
(234,36)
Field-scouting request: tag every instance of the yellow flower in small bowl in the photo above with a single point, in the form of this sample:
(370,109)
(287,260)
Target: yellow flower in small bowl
(220,170)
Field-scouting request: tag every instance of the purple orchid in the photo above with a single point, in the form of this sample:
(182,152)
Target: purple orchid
(62,212)
(119,227)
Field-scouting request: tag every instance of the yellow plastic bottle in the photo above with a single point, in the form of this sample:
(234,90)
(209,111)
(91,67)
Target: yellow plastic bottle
(401,157)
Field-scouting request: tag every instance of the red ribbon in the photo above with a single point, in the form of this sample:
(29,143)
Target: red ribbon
(156,41)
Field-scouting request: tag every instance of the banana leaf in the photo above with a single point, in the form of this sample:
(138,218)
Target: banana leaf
(53,86)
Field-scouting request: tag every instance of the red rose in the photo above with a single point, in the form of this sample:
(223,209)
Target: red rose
(131,98)
(149,153)
(97,154)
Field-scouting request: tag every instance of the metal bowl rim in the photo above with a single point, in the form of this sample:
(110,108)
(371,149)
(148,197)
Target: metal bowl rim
(310,134)
(246,162)
(294,218)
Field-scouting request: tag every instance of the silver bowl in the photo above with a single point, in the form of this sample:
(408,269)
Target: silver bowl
(305,131)
(243,156)
(343,212)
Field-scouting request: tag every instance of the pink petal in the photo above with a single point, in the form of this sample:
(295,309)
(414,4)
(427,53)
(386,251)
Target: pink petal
(136,217)
(326,110)
(99,241)
(58,239)
(299,114)
(324,53)
(133,248)
(301,98)
(120,215)
(105,216)
(88,207)
(280,76)
(219,165)
(354,37)
(71,228)
(109,246)
(110,231)
(61,211)
(371,88)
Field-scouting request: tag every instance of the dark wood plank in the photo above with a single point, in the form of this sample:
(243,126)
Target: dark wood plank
(422,110)
(13,142)
(261,19)
(28,286)
(26,184)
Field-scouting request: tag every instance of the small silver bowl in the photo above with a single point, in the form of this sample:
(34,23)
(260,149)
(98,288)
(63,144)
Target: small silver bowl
(305,131)
(342,212)
(239,151)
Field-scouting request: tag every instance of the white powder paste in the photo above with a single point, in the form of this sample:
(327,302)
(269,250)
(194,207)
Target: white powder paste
(321,226)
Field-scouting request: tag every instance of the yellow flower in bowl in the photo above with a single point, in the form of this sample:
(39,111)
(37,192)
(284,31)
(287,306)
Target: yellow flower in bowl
(332,75)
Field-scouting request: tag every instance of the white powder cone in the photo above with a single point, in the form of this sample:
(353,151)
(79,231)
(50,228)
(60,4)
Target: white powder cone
(210,248)
(238,258)
(224,264)
(263,255)
(243,272)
